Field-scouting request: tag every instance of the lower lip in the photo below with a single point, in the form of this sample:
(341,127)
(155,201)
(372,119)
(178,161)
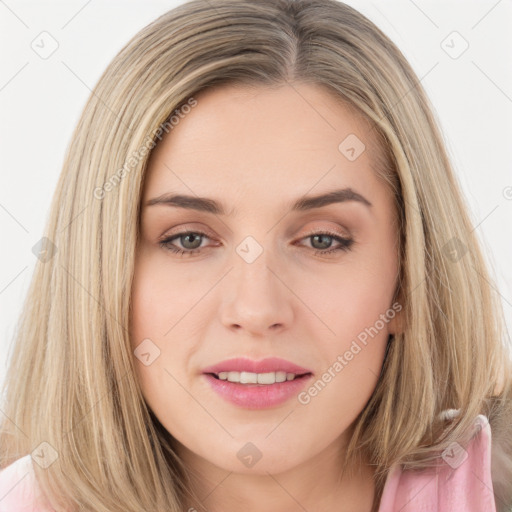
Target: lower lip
(257,396)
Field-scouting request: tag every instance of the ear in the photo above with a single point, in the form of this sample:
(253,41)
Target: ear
(396,323)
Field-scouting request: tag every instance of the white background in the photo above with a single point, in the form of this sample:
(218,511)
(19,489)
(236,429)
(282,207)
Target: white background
(41,99)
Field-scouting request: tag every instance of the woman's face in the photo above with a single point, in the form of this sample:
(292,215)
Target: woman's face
(270,270)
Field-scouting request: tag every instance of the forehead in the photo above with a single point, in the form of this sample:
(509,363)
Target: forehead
(263,140)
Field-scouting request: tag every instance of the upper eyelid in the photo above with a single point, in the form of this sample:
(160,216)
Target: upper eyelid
(308,234)
(312,231)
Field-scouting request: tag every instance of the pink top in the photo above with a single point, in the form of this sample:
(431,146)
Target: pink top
(462,484)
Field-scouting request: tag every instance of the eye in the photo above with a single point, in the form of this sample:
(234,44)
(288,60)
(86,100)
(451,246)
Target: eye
(191,242)
(322,242)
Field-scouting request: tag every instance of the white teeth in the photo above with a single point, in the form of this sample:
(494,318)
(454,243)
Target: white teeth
(256,378)
(281,376)
(248,378)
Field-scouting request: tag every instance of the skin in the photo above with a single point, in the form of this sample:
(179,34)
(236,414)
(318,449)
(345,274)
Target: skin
(256,150)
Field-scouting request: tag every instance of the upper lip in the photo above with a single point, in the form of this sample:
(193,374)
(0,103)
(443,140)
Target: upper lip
(267,365)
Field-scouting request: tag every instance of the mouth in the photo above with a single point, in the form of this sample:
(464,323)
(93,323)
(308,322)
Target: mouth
(254,391)
(257,384)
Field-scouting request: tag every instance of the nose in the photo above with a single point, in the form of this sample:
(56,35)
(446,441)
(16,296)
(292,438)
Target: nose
(257,298)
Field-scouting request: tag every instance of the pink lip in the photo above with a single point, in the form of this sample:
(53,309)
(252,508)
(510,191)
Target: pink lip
(270,364)
(257,396)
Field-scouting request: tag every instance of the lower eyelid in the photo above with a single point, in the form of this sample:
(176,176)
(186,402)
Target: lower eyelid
(344,243)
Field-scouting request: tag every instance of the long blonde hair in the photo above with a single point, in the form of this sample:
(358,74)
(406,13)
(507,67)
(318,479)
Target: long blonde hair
(71,381)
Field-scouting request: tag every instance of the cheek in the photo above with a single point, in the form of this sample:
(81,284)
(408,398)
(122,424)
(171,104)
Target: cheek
(341,392)
(354,303)
(159,298)
(351,298)
(150,320)
(160,303)
(352,361)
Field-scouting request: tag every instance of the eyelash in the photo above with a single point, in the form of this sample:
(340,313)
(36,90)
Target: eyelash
(345,243)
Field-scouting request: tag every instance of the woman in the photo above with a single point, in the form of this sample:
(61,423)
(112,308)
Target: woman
(329,339)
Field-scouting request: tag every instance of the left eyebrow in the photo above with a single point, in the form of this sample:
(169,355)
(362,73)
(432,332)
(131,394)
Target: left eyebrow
(209,205)
(336,196)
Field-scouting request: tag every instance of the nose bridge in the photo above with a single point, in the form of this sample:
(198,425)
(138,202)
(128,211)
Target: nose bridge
(253,271)
(257,299)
